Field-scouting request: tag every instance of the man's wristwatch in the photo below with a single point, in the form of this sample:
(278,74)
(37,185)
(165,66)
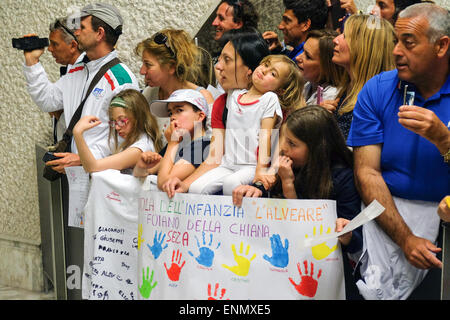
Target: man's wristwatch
(447,156)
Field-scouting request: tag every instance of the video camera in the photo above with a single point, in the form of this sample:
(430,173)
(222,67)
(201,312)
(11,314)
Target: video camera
(29,43)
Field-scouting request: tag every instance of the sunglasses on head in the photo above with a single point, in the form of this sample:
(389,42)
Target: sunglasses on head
(161,38)
(60,24)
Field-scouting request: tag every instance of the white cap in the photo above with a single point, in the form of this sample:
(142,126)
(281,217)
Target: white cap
(159,107)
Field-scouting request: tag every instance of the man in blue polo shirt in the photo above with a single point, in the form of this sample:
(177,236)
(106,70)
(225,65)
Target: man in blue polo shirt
(298,19)
(402,155)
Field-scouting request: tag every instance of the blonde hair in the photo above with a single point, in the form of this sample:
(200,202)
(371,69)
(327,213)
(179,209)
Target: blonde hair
(291,95)
(142,120)
(371,41)
(188,58)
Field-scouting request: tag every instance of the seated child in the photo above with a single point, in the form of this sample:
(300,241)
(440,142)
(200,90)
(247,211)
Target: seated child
(187,144)
(315,163)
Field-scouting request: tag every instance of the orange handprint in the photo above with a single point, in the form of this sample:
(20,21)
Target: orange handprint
(214,296)
(307,285)
(174,272)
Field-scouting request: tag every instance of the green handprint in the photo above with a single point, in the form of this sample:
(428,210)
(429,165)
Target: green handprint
(243,264)
(147,287)
(322,250)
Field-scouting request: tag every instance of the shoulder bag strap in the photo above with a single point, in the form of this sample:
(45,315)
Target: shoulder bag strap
(76,116)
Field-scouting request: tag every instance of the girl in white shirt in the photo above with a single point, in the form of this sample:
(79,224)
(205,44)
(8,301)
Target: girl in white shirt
(133,130)
(252,114)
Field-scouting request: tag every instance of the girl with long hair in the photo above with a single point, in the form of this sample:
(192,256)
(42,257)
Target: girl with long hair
(314,163)
(133,130)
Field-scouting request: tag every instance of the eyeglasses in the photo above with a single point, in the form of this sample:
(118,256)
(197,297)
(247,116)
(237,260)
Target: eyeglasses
(120,123)
(161,38)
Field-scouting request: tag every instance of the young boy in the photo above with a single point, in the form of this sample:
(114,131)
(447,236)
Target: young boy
(187,145)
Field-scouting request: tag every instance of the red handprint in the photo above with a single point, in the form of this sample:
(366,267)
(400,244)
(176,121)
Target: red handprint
(307,285)
(214,297)
(174,272)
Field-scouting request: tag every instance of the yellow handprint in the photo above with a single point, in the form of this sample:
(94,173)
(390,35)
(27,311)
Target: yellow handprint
(322,250)
(243,264)
(140,239)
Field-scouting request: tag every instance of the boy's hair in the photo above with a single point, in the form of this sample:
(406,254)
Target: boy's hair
(143,120)
(318,129)
(290,94)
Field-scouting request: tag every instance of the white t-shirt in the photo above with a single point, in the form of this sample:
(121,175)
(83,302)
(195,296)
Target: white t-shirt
(329,93)
(244,123)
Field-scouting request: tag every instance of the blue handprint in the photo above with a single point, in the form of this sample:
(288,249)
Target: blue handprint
(206,256)
(280,257)
(157,247)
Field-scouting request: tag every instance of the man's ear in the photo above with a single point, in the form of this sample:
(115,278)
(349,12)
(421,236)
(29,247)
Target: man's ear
(305,25)
(101,34)
(442,46)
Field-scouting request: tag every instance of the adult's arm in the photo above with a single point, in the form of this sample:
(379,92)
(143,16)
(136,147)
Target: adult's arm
(371,186)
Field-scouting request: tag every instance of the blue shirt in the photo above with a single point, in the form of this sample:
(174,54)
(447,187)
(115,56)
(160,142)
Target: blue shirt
(296,51)
(412,167)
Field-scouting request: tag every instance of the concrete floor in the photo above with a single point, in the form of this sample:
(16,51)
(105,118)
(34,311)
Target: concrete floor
(7,293)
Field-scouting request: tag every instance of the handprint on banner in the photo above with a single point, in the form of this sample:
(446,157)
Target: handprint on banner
(206,256)
(307,285)
(147,286)
(212,296)
(322,250)
(243,264)
(175,269)
(157,247)
(280,256)
(140,239)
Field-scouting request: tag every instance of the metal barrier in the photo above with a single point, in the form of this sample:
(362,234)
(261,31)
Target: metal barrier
(445,280)
(62,246)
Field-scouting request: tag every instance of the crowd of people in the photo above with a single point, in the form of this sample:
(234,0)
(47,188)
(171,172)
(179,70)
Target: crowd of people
(351,109)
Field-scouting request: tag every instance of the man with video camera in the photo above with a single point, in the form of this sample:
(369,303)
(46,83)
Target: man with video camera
(98,27)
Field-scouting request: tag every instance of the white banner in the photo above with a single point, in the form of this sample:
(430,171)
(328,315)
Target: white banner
(203,247)
(140,244)
(110,237)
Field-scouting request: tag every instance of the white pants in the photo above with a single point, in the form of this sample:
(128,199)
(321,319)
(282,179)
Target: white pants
(226,177)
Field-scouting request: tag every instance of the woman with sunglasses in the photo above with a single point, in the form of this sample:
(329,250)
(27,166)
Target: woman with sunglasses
(133,130)
(170,62)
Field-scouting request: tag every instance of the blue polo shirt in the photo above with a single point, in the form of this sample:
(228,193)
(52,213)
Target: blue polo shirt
(296,51)
(412,167)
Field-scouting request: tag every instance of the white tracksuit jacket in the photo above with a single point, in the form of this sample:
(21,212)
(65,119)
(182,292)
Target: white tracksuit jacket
(68,92)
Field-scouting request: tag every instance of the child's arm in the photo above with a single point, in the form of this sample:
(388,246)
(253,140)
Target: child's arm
(262,173)
(346,237)
(148,163)
(287,177)
(119,161)
(216,149)
(168,168)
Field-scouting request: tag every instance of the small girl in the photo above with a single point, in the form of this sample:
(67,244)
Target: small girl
(276,89)
(314,164)
(133,130)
